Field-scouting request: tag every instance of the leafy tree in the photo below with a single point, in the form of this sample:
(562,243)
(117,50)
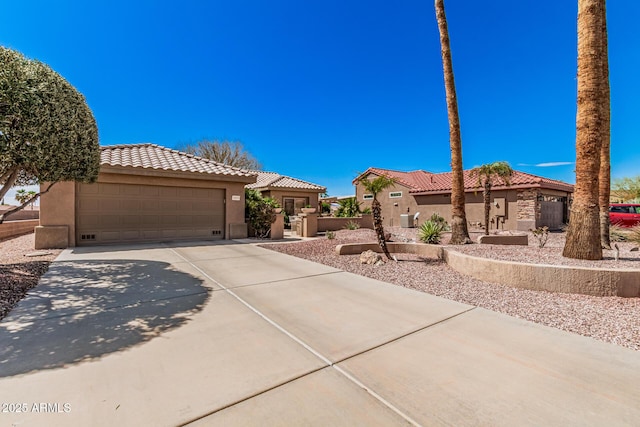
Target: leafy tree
(583,233)
(374,187)
(47,131)
(459,230)
(626,189)
(231,153)
(349,208)
(486,175)
(261,212)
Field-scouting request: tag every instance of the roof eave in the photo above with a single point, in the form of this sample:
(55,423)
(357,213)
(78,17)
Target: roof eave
(169,173)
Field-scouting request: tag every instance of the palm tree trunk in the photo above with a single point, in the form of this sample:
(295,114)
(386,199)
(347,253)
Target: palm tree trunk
(376,211)
(486,195)
(459,231)
(583,234)
(604,177)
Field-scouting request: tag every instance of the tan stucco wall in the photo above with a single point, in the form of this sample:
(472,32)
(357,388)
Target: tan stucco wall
(57,208)
(329,223)
(390,212)
(474,208)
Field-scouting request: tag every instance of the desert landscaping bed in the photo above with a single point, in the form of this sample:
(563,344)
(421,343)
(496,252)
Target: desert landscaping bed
(610,319)
(18,271)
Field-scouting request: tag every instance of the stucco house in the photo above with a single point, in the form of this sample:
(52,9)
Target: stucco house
(293,194)
(529,201)
(146,193)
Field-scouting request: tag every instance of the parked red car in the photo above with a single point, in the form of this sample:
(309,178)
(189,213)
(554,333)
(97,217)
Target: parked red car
(624,214)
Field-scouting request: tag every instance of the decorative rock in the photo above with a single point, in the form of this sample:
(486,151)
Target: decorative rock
(370,257)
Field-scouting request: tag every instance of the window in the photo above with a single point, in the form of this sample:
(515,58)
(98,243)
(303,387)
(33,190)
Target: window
(395,195)
(368,197)
(294,205)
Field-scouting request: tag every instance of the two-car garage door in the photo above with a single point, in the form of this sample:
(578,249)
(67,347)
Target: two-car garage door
(113,213)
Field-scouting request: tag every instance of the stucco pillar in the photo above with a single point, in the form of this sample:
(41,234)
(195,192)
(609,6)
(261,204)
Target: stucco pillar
(57,216)
(309,224)
(277,228)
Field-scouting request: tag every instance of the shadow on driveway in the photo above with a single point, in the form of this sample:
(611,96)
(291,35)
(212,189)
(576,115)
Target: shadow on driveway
(82,310)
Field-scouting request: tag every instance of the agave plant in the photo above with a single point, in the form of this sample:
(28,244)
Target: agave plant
(431,232)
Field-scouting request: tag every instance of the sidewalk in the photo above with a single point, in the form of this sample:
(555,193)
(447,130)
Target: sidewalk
(234,334)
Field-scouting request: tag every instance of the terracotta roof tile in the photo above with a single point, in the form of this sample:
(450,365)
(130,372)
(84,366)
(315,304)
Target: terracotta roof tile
(275,180)
(152,156)
(425,182)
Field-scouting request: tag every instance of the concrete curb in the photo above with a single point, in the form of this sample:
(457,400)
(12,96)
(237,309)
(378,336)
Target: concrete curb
(538,277)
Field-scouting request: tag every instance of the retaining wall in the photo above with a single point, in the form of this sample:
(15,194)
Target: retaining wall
(538,277)
(9,229)
(329,223)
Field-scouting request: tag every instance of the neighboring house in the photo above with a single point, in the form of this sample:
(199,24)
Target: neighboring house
(292,194)
(146,193)
(530,201)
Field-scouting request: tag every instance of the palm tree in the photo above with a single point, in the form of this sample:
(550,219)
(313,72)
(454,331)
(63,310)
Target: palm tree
(25,197)
(349,208)
(374,187)
(583,234)
(486,175)
(459,231)
(604,177)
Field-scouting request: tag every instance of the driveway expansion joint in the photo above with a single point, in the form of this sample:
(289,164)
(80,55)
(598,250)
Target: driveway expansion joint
(316,353)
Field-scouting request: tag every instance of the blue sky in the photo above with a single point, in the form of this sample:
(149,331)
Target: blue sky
(321,90)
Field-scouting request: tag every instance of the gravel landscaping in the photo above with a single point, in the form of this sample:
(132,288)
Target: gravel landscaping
(18,271)
(611,319)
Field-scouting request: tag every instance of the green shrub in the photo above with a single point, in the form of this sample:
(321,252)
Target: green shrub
(352,225)
(349,208)
(431,232)
(618,234)
(634,235)
(437,218)
(261,212)
(541,234)
(331,235)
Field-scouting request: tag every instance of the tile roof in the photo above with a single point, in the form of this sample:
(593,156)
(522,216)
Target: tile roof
(152,156)
(422,182)
(275,180)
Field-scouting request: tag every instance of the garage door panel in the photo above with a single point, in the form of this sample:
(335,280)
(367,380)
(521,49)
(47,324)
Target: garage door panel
(203,206)
(168,205)
(109,204)
(169,220)
(109,189)
(149,205)
(89,204)
(129,190)
(89,189)
(131,221)
(111,213)
(186,193)
(110,236)
(130,205)
(168,192)
(89,221)
(149,191)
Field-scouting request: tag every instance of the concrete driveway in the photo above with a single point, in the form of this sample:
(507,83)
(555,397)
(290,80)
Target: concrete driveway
(233,334)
